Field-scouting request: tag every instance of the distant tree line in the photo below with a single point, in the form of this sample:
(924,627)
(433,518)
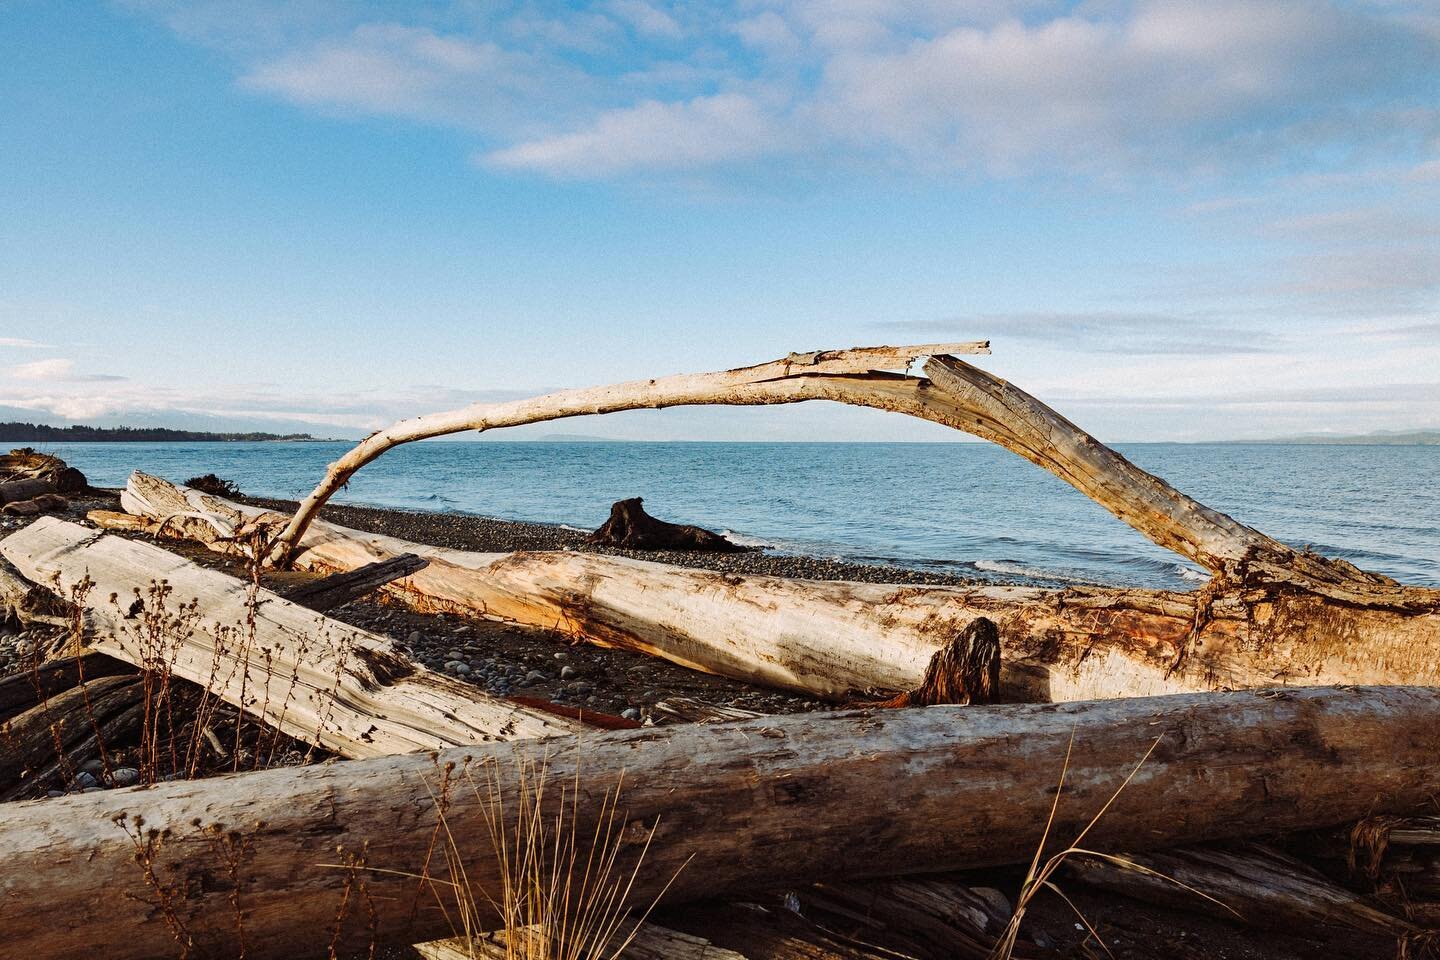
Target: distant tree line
(16,432)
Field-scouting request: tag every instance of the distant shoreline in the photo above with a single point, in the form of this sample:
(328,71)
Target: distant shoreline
(19,432)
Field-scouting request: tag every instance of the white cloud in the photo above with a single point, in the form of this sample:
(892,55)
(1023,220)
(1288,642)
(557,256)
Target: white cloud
(652,136)
(21,343)
(57,369)
(992,85)
(646,18)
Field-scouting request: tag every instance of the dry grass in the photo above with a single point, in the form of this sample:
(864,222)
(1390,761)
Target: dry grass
(1041,874)
(563,891)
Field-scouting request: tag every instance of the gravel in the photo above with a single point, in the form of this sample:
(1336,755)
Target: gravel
(488,534)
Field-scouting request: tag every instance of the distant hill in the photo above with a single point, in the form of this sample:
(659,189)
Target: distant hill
(1382,437)
(16,432)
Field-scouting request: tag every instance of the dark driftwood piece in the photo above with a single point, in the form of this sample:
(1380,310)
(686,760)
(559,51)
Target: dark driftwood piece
(31,741)
(1254,885)
(16,491)
(966,670)
(630,526)
(52,774)
(21,691)
(341,588)
(27,464)
(44,503)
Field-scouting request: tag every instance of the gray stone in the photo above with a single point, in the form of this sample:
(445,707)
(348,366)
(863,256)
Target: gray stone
(535,676)
(630,713)
(124,777)
(83,780)
(415,637)
(457,667)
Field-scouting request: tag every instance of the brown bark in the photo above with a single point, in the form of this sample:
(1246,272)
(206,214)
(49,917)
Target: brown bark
(766,803)
(965,670)
(630,526)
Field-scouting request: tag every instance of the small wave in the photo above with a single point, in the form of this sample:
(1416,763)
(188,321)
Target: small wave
(1011,568)
(741,540)
(566,526)
(1190,574)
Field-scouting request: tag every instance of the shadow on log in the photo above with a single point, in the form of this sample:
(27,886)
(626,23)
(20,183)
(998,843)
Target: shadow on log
(630,526)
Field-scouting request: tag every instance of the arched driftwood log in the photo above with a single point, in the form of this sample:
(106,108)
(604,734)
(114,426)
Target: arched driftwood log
(1270,614)
(957,395)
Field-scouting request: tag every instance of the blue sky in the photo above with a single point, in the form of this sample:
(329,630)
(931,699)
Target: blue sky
(1174,220)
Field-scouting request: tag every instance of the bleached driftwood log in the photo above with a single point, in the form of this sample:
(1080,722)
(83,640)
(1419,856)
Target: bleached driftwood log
(820,374)
(317,679)
(720,809)
(833,639)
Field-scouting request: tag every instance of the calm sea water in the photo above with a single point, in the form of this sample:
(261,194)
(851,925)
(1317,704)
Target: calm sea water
(957,507)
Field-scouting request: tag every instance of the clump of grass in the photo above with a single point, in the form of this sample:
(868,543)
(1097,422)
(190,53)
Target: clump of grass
(562,891)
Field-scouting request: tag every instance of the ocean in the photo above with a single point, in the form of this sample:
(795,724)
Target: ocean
(958,507)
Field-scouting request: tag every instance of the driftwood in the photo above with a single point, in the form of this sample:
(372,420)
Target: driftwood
(965,670)
(350,692)
(316,679)
(840,640)
(340,588)
(21,691)
(32,740)
(27,464)
(828,374)
(1255,885)
(720,809)
(44,503)
(630,526)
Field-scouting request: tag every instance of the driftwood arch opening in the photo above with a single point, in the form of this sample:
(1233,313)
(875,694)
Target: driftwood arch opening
(955,394)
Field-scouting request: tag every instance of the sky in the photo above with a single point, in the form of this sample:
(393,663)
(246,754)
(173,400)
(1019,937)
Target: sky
(1173,220)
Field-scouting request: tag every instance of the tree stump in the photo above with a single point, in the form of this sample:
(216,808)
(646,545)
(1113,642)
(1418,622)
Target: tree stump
(630,526)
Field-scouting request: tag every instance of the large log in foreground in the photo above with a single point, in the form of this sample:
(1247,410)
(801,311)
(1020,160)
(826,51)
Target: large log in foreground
(833,639)
(720,809)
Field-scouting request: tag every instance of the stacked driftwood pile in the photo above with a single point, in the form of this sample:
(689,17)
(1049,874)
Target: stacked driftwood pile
(1164,733)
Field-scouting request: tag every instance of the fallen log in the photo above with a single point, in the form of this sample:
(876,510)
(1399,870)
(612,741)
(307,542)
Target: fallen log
(354,694)
(630,526)
(33,740)
(319,680)
(21,691)
(717,809)
(843,640)
(340,588)
(1256,885)
(17,491)
(1270,613)
(44,503)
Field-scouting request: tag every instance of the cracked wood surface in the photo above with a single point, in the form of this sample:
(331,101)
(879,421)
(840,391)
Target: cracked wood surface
(765,803)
